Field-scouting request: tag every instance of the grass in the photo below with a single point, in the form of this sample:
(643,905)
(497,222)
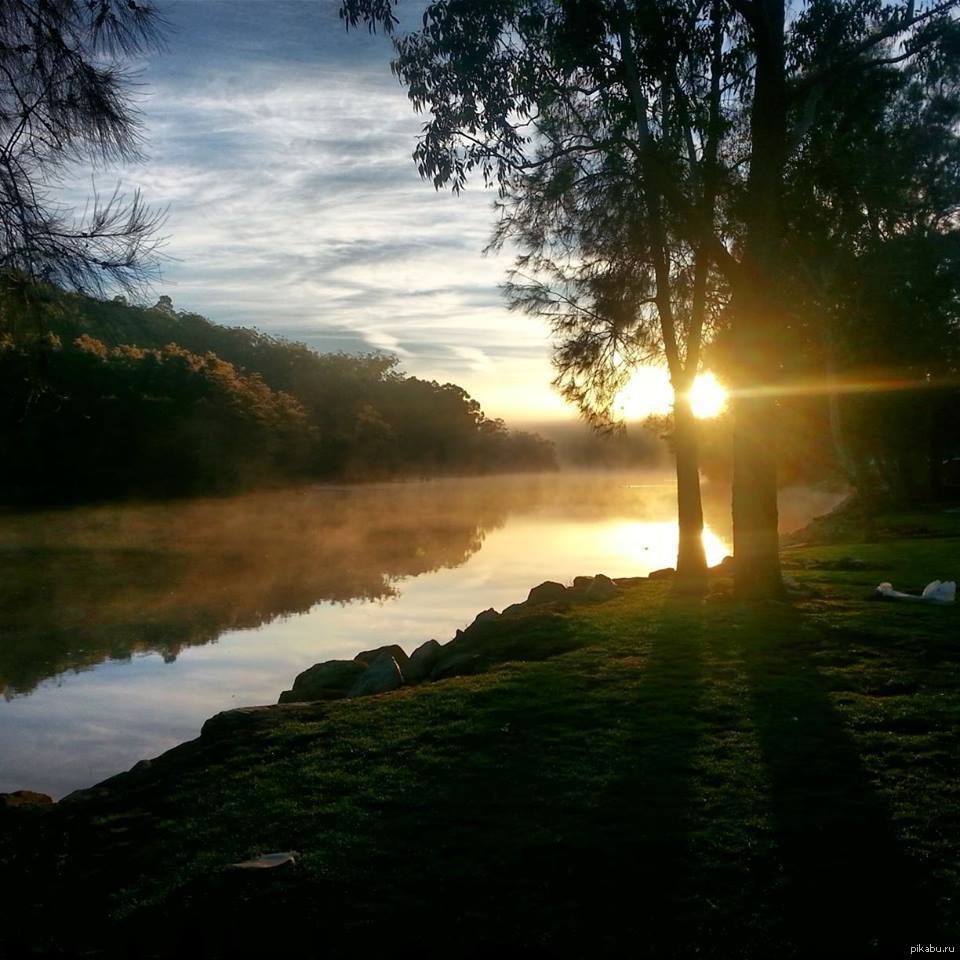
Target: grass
(697,778)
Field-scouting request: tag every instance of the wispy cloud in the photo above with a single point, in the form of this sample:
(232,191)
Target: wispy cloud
(281,145)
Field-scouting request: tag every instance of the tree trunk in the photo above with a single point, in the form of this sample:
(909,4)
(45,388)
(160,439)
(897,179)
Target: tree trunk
(756,321)
(691,558)
(755,538)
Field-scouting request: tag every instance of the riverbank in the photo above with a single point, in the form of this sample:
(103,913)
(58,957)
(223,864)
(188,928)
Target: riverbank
(688,778)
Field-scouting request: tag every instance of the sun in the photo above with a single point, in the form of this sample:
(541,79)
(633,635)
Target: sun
(708,397)
(648,393)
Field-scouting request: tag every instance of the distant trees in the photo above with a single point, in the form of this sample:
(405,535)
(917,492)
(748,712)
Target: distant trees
(118,401)
(124,421)
(64,97)
(495,76)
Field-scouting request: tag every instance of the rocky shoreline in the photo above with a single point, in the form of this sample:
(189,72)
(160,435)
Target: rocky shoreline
(389,668)
(533,629)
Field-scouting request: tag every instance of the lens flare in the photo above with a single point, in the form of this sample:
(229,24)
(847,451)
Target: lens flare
(648,393)
(708,397)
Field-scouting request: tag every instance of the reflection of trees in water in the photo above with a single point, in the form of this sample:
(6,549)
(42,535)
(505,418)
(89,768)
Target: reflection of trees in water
(84,585)
(81,586)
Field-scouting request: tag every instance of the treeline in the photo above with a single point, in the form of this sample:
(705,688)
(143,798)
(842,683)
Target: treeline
(879,414)
(868,372)
(103,399)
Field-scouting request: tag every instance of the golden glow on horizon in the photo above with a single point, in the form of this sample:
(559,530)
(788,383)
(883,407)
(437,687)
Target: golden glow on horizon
(648,393)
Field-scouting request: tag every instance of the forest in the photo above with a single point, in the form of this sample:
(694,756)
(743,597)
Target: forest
(101,400)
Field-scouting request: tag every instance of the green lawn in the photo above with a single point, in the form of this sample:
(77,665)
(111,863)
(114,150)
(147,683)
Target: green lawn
(698,779)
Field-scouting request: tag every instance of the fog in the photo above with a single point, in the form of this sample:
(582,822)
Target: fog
(84,585)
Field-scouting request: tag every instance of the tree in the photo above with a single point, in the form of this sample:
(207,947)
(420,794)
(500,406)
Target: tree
(65,97)
(871,207)
(603,263)
(491,73)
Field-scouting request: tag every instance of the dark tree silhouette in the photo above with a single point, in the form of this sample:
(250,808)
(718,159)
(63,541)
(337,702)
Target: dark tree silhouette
(65,97)
(488,73)
(601,261)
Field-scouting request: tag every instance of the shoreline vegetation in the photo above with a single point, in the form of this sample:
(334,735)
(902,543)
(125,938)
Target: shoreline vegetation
(102,401)
(603,767)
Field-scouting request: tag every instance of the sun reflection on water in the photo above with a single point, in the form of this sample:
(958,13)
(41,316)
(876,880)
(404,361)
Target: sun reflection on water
(653,546)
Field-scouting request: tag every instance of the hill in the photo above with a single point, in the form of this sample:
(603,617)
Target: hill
(101,399)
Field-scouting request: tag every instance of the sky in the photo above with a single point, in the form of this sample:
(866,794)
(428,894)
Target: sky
(281,146)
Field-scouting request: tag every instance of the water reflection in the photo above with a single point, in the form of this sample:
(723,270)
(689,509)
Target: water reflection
(655,544)
(173,612)
(82,586)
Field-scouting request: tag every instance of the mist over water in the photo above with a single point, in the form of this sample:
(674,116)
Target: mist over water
(123,628)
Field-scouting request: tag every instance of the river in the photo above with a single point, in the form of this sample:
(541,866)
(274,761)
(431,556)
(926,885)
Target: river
(123,628)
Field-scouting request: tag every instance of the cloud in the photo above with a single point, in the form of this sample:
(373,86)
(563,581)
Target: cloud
(281,146)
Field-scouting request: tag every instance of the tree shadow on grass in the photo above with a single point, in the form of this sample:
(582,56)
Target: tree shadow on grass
(846,886)
(551,820)
(560,809)
(560,827)
(654,893)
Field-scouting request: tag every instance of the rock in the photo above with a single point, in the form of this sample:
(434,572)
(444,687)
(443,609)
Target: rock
(578,591)
(601,588)
(462,665)
(626,583)
(382,675)
(547,592)
(537,635)
(665,574)
(329,680)
(24,799)
(725,566)
(484,615)
(422,661)
(513,609)
(395,651)
(227,723)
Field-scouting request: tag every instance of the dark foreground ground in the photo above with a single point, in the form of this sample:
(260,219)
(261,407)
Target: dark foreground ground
(696,779)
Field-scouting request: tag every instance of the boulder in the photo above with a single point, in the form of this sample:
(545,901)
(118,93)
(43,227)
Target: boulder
(461,665)
(241,720)
(382,675)
(665,574)
(601,588)
(581,583)
(329,680)
(725,566)
(484,615)
(513,609)
(547,592)
(537,635)
(422,661)
(395,651)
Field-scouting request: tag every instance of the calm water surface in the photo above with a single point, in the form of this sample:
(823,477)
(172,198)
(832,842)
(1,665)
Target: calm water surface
(123,628)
